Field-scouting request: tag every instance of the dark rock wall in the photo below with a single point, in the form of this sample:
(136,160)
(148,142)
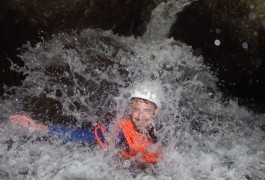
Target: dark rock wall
(38,20)
(230,35)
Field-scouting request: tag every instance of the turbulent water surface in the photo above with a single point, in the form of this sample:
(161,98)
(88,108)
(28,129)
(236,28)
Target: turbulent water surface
(88,76)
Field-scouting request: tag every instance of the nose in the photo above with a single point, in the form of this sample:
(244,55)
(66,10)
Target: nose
(139,115)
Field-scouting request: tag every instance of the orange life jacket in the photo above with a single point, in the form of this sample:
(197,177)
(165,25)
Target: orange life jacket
(137,142)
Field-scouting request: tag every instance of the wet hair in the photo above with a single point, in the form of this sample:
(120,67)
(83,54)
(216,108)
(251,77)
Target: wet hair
(145,101)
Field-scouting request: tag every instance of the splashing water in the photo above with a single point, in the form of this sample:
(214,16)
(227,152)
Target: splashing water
(85,78)
(163,16)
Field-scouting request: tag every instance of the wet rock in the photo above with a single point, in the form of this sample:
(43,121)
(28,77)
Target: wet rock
(124,17)
(230,35)
(43,108)
(30,19)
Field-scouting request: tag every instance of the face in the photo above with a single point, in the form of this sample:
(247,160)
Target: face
(143,113)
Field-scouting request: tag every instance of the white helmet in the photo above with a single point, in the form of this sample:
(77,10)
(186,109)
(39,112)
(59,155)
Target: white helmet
(149,90)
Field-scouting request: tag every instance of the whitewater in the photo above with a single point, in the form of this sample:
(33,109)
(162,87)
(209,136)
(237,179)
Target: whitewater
(89,75)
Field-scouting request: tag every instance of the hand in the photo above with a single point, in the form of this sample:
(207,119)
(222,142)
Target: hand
(26,121)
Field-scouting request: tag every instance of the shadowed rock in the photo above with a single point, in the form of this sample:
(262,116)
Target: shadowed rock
(230,35)
(37,20)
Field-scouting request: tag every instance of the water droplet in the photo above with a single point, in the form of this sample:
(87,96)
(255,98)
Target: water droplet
(217,42)
(245,45)
(218,30)
(252,16)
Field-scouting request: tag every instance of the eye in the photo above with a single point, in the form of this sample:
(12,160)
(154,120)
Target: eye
(135,110)
(147,111)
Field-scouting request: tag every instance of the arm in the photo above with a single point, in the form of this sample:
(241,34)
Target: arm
(69,134)
(26,121)
(75,135)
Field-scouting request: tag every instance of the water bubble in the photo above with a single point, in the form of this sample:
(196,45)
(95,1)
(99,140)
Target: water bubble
(252,16)
(218,30)
(217,42)
(245,45)
(255,33)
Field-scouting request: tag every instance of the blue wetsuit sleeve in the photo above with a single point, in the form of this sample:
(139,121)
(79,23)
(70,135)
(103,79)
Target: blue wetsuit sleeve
(75,135)
(165,141)
(120,135)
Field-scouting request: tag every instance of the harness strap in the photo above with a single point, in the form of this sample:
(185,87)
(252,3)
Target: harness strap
(138,143)
(135,140)
(96,130)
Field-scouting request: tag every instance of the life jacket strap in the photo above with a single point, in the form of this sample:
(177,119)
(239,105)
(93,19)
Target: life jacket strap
(138,143)
(101,128)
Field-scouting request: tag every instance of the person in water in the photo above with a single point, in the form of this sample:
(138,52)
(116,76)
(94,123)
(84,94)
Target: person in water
(136,135)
